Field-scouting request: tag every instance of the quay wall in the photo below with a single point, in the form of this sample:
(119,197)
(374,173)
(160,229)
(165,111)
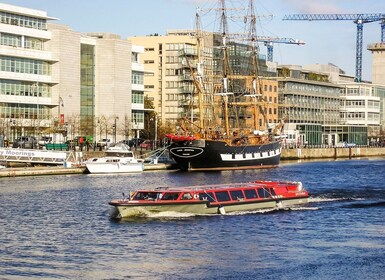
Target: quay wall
(318,153)
(302,153)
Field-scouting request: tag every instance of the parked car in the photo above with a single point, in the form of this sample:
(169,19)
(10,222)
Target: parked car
(345,145)
(105,142)
(135,142)
(25,142)
(147,144)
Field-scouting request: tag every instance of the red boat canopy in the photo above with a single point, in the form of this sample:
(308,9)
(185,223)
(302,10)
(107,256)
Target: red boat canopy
(180,138)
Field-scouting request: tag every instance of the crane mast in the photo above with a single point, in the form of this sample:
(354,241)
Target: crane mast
(358,19)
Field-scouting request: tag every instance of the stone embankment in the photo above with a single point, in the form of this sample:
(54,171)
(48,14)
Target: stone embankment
(332,153)
(287,154)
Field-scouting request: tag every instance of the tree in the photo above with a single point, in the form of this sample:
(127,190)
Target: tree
(150,118)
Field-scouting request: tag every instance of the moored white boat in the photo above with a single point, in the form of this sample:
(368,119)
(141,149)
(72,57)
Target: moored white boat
(212,199)
(118,159)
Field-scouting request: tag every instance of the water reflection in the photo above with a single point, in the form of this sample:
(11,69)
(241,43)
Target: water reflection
(59,227)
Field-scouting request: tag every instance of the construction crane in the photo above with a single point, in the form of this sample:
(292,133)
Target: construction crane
(269,41)
(358,19)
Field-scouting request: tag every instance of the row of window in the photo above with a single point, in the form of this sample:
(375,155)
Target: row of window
(8,87)
(358,91)
(269,88)
(137,97)
(23,21)
(137,78)
(360,116)
(19,41)
(137,117)
(330,91)
(361,104)
(24,65)
(25,111)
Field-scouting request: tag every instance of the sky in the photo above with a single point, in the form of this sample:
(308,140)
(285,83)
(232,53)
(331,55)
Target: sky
(325,41)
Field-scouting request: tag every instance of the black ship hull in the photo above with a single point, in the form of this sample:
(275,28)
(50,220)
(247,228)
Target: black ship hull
(217,155)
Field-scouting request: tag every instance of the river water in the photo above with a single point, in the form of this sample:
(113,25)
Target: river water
(58,227)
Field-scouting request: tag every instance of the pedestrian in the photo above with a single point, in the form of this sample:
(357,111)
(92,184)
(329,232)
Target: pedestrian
(81,142)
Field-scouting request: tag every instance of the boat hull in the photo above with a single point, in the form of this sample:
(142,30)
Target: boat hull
(132,209)
(97,168)
(217,155)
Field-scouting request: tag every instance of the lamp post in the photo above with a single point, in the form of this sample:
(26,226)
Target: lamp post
(114,126)
(155,119)
(12,124)
(66,131)
(35,87)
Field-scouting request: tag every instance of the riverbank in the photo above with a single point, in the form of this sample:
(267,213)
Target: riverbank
(61,170)
(287,155)
(332,153)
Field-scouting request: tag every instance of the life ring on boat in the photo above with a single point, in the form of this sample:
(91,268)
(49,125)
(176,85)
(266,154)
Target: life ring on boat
(196,196)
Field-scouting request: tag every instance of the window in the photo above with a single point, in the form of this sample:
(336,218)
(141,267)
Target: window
(222,196)
(137,78)
(186,196)
(209,196)
(236,195)
(170,196)
(263,193)
(250,194)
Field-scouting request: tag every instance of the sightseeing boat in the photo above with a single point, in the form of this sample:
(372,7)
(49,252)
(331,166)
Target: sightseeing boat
(118,159)
(211,199)
(225,124)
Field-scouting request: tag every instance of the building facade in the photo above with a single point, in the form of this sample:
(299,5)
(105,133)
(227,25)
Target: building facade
(317,110)
(26,80)
(171,61)
(54,80)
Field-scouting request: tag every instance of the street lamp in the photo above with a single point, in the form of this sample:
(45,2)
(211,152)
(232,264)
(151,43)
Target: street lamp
(155,119)
(114,126)
(12,123)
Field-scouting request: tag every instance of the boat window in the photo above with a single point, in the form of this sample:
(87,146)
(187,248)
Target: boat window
(186,196)
(237,195)
(250,194)
(170,196)
(272,191)
(145,196)
(263,193)
(209,196)
(222,196)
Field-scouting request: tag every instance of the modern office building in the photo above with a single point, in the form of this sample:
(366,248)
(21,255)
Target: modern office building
(309,102)
(321,112)
(26,80)
(170,62)
(165,80)
(361,103)
(54,80)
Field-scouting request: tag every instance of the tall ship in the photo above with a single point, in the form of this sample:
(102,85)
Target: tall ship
(226,126)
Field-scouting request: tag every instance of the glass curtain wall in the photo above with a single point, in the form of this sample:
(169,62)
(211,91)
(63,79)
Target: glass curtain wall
(87,91)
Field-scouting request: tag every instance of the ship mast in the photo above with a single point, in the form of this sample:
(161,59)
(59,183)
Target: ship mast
(255,84)
(225,65)
(199,83)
